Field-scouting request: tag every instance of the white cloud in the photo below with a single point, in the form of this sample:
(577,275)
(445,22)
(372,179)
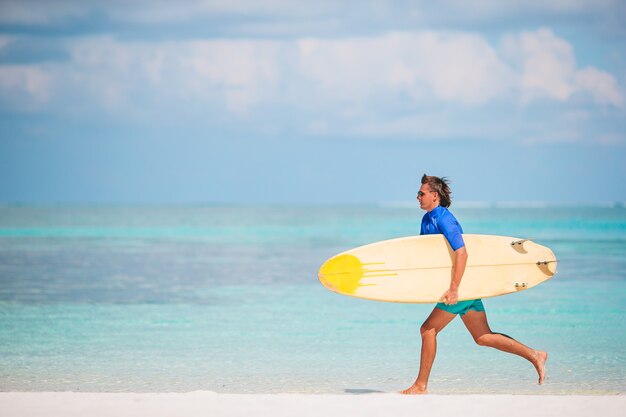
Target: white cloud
(345,69)
(461,68)
(548,66)
(27,87)
(601,85)
(549,71)
(197,75)
(453,67)
(246,72)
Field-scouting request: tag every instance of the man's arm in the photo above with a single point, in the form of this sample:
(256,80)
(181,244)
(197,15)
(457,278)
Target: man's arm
(451,296)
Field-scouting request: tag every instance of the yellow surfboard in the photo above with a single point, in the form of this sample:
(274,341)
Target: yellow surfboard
(418,269)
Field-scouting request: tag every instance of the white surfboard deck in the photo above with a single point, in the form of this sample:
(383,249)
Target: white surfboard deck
(418,269)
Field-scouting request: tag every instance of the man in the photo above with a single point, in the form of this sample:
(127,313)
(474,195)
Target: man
(434,197)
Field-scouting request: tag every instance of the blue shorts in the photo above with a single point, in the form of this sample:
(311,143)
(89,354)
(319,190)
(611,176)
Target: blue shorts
(462,307)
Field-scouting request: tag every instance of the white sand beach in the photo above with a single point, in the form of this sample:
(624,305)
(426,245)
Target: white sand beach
(205,403)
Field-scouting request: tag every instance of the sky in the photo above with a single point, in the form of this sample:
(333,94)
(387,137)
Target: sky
(299,102)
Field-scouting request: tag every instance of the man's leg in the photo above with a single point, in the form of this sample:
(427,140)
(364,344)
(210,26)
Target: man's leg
(437,320)
(476,323)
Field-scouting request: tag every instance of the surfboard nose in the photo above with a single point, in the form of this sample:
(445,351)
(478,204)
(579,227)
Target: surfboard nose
(341,273)
(320,274)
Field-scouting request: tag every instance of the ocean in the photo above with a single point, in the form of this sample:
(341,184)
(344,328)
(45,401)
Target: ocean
(226,299)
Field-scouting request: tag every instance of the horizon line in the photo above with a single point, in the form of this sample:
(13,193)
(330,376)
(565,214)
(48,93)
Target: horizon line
(394,204)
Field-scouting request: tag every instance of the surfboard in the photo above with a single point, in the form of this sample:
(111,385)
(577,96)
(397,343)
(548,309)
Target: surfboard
(418,269)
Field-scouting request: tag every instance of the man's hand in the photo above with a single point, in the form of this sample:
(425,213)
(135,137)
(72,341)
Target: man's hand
(450,297)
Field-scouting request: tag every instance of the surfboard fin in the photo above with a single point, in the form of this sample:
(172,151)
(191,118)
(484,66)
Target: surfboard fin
(543,266)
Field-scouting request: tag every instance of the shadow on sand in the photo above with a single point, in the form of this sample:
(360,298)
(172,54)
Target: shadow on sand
(358,391)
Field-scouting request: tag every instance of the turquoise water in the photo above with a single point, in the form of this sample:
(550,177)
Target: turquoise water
(226,299)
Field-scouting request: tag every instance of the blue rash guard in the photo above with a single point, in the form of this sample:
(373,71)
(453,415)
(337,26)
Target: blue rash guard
(441,221)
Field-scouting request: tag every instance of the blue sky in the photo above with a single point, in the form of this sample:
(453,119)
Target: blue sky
(293,103)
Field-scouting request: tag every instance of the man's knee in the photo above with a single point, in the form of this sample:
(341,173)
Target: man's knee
(484,339)
(427,331)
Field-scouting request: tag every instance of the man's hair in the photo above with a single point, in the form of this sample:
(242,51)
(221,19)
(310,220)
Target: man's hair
(440,186)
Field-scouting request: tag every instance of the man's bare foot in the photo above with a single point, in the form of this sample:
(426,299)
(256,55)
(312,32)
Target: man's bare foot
(414,390)
(540,364)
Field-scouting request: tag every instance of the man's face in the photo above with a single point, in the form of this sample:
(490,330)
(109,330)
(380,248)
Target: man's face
(426,198)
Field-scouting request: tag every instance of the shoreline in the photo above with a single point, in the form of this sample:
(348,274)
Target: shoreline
(203,403)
